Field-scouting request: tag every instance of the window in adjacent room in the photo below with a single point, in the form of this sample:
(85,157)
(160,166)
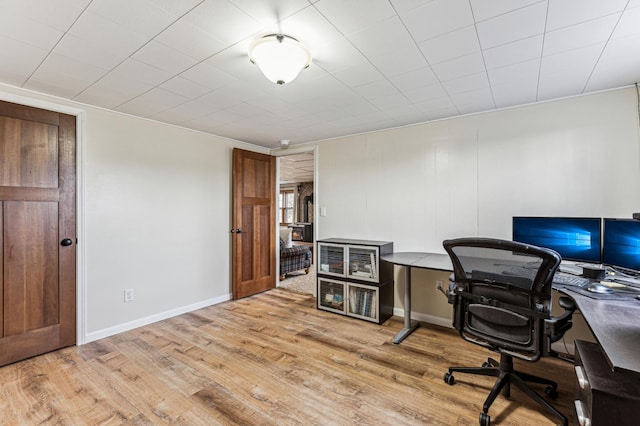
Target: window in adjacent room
(286,203)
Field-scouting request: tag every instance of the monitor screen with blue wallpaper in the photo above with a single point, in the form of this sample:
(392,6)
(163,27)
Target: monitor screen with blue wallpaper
(574,238)
(622,243)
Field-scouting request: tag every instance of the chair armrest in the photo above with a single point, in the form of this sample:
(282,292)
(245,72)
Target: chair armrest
(555,327)
(295,251)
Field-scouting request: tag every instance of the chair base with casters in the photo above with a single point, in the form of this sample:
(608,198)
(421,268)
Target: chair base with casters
(506,377)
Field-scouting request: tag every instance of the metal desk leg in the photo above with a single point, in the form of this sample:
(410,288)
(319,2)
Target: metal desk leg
(408,326)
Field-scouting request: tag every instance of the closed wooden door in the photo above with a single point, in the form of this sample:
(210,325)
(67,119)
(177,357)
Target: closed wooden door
(37,231)
(254,209)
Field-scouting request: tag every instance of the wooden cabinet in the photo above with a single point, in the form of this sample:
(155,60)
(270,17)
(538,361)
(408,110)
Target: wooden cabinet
(353,281)
(602,396)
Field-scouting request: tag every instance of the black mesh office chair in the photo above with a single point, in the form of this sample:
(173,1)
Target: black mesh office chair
(501,294)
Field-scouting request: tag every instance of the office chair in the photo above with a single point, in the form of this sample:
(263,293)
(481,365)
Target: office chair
(501,296)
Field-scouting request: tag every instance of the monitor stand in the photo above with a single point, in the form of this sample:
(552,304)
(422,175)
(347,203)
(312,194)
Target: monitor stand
(570,268)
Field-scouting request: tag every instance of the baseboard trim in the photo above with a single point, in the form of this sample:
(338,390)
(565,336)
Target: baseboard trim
(431,319)
(121,328)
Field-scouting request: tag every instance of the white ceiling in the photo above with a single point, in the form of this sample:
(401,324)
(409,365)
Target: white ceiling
(377,63)
(296,168)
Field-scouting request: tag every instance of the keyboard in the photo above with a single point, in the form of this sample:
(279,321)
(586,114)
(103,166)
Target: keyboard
(562,278)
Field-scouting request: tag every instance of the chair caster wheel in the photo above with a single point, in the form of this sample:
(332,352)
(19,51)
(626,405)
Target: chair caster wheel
(551,392)
(448,378)
(485,419)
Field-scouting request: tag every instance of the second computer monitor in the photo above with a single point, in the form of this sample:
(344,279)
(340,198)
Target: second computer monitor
(574,238)
(622,244)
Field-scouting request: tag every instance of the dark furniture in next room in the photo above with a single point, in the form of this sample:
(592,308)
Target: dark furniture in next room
(294,258)
(501,296)
(302,232)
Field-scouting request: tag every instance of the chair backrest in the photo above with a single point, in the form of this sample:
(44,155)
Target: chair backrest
(501,293)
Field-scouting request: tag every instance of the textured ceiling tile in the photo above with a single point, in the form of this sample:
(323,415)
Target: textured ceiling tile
(375,63)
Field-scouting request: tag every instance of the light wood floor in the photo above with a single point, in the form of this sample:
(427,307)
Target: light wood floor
(271,359)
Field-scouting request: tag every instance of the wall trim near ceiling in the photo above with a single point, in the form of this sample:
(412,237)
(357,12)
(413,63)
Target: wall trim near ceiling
(81,272)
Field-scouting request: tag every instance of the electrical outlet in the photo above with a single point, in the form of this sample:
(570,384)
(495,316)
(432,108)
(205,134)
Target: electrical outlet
(128,295)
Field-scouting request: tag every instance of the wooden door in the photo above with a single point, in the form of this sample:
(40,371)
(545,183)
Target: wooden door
(254,209)
(37,231)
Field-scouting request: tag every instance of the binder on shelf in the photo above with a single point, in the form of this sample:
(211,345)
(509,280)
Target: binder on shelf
(367,303)
(354,300)
(374,303)
(365,296)
(373,265)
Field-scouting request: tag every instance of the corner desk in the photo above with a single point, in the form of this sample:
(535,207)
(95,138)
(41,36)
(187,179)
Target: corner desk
(614,323)
(607,374)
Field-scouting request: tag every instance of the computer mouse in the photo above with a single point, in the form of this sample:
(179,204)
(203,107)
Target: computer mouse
(599,288)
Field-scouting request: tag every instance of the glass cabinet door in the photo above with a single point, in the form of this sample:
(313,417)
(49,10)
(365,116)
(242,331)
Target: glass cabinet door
(331,295)
(332,258)
(363,302)
(363,263)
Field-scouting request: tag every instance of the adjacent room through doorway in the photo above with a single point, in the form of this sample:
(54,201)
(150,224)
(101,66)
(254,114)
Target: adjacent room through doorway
(296,219)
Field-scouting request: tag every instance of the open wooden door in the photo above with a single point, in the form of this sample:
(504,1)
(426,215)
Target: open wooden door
(253,226)
(37,231)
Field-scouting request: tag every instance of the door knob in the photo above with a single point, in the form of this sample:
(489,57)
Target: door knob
(66,242)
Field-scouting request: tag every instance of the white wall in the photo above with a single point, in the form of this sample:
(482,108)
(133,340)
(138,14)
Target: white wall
(158,218)
(156,198)
(468,176)
(157,209)
(419,185)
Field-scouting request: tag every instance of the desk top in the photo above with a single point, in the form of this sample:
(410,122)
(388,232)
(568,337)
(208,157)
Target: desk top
(614,323)
(616,326)
(436,261)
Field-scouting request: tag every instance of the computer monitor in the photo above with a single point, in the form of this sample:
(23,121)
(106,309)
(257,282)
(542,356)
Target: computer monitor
(621,248)
(574,238)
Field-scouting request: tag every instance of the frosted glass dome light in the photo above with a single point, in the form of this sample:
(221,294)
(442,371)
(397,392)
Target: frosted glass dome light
(279,57)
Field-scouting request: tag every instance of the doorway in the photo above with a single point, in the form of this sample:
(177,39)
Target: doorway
(296,214)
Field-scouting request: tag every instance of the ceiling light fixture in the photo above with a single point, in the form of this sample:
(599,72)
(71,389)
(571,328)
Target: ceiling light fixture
(280,57)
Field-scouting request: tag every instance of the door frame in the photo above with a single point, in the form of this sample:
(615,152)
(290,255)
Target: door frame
(80,115)
(283,153)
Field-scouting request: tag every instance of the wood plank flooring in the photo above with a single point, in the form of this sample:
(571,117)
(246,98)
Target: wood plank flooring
(270,359)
